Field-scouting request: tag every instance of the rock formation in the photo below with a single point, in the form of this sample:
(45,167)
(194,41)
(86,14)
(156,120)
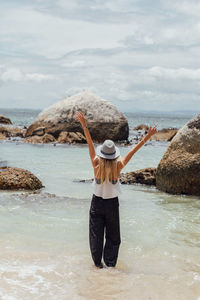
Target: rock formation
(165,134)
(141,127)
(103,119)
(35,139)
(12,131)
(5,120)
(2,137)
(179,170)
(71,137)
(17,179)
(143,176)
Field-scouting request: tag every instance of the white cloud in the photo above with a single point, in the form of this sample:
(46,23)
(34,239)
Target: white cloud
(74,64)
(78,89)
(181,73)
(14,74)
(38,77)
(121,5)
(52,37)
(127,51)
(182,6)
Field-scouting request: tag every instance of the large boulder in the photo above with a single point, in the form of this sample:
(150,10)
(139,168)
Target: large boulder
(179,170)
(18,179)
(104,120)
(5,120)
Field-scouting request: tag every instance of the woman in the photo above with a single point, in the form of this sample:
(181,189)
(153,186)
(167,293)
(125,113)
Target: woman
(104,210)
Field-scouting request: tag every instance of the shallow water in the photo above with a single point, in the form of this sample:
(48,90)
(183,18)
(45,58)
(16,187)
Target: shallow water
(45,253)
(44,250)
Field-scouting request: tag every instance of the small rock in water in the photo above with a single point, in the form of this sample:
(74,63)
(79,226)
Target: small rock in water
(141,127)
(5,120)
(143,176)
(3,164)
(83,180)
(166,134)
(12,132)
(17,179)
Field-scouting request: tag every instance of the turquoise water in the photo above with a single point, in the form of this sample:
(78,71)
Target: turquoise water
(44,251)
(58,166)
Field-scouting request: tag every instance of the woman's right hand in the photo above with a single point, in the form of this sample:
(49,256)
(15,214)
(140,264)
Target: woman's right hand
(81,118)
(152,131)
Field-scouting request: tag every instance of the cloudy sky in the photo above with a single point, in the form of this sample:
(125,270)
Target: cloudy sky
(138,54)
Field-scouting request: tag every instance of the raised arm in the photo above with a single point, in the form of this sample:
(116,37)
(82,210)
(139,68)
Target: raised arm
(125,160)
(80,117)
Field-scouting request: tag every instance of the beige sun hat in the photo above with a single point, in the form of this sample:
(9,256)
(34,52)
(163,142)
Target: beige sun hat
(108,150)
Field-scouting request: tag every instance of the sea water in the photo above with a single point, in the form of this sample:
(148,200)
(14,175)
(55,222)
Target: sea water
(44,249)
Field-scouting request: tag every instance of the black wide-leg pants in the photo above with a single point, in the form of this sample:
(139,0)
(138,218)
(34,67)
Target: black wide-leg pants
(104,215)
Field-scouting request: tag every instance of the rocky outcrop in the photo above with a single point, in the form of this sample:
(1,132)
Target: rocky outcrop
(12,132)
(17,179)
(166,134)
(179,170)
(5,120)
(71,137)
(39,131)
(104,120)
(47,138)
(141,127)
(143,176)
(2,137)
